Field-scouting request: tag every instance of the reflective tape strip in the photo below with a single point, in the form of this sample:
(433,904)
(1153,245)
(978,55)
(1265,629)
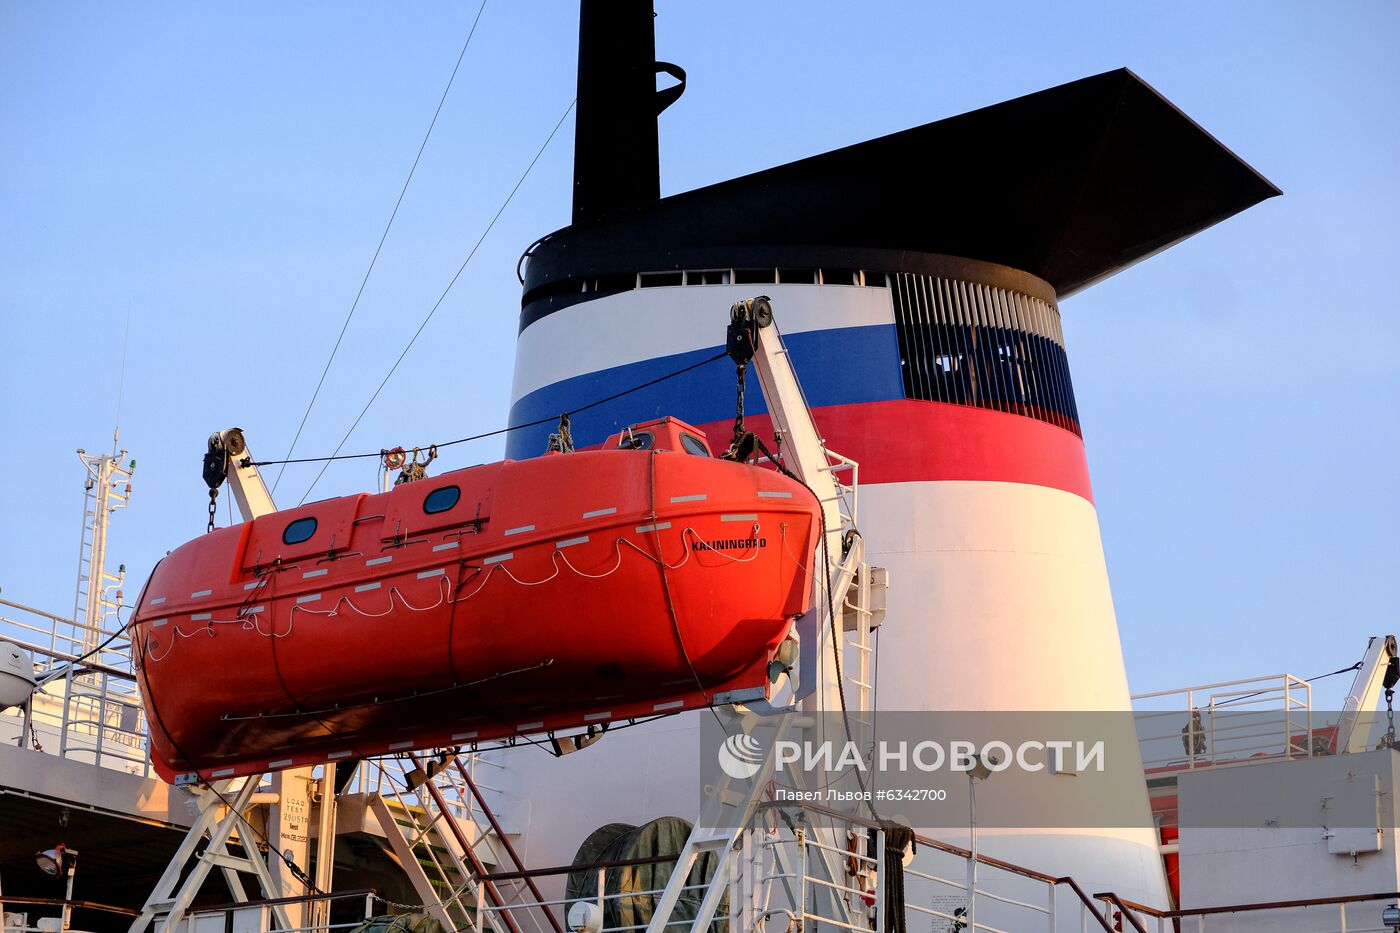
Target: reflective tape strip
(527,726)
(674,704)
(570,542)
(496,560)
(254,585)
(463,735)
(394,746)
(445,547)
(520,531)
(598,513)
(659,526)
(159,622)
(198,593)
(315,573)
(366,587)
(698,497)
(308,599)
(594,717)
(158,600)
(222,772)
(738,518)
(764,494)
(284,763)
(431,573)
(334,755)
(201,617)
(254,610)
(375,561)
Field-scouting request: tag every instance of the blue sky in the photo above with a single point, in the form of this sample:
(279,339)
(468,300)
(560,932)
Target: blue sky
(224,172)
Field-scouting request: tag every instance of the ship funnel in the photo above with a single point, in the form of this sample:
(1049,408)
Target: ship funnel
(616,159)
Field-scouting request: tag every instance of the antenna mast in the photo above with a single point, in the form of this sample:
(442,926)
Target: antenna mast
(99,594)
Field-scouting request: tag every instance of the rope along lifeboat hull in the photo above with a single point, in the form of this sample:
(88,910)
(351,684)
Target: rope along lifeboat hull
(506,599)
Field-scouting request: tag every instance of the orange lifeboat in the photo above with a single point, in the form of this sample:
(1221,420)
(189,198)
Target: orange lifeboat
(506,599)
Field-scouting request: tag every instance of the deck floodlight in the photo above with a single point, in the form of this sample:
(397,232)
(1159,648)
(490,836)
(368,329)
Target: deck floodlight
(50,861)
(985,765)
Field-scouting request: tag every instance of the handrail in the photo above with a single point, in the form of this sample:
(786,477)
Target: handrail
(1086,901)
(277,901)
(47,615)
(505,841)
(1290,678)
(569,869)
(1013,868)
(1123,909)
(1241,908)
(477,868)
(62,902)
(949,848)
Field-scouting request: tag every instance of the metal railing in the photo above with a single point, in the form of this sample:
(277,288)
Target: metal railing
(1228,723)
(58,638)
(627,903)
(783,882)
(26,912)
(1304,913)
(347,910)
(93,714)
(818,870)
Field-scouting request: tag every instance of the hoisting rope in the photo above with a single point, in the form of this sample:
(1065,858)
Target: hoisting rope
(742,444)
(215,472)
(1388,740)
(1307,680)
(1391,678)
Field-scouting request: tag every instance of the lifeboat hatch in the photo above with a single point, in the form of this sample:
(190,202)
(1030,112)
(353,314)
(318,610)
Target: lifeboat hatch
(460,500)
(319,529)
(661,434)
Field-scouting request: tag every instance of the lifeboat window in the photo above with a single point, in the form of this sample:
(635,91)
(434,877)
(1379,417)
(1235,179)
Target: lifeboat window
(640,440)
(440,500)
(298,531)
(693,445)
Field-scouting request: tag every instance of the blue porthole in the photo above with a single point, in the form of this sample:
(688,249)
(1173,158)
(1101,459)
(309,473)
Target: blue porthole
(693,445)
(440,500)
(298,531)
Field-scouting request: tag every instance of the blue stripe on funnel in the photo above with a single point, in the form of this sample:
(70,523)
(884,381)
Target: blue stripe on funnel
(839,366)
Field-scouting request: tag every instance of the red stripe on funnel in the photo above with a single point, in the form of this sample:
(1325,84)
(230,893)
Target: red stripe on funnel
(907,440)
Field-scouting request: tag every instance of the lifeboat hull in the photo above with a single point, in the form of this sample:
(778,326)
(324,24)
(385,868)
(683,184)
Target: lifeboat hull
(508,599)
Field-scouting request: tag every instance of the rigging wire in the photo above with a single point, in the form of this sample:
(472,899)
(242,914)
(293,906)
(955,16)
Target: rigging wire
(437,304)
(382,237)
(514,427)
(1306,680)
(297,872)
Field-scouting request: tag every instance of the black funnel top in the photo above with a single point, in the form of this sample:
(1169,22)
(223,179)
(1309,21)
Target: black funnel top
(615,145)
(1070,184)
